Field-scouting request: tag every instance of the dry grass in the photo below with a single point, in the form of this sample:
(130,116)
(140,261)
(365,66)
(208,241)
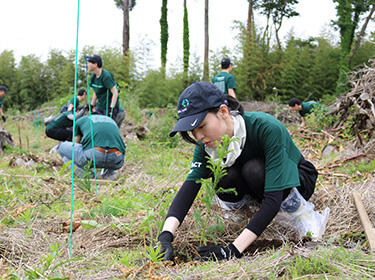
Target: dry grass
(23,245)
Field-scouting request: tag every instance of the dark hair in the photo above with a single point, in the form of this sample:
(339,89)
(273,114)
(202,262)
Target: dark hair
(233,105)
(95,59)
(225,62)
(293,101)
(81,92)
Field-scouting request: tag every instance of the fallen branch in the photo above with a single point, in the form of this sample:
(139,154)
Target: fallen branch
(335,164)
(353,157)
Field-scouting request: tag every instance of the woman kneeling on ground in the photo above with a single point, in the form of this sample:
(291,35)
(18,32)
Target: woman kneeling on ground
(264,165)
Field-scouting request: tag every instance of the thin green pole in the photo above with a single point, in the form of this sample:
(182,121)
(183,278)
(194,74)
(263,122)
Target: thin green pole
(74,128)
(106,105)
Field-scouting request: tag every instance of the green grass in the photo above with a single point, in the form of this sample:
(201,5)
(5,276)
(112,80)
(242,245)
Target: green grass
(121,229)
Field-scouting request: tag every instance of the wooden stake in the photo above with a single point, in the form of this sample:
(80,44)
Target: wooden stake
(366,223)
(19,134)
(27,141)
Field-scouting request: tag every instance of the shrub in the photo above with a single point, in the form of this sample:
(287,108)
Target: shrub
(156,91)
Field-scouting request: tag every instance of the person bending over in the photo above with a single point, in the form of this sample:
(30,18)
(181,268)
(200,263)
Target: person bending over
(60,128)
(303,108)
(263,165)
(81,97)
(108,148)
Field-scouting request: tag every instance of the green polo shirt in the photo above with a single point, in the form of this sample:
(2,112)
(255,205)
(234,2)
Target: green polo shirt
(71,101)
(61,121)
(101,86)
(307,107)
(1,102)
(224,81)
(267,138)
(105,133)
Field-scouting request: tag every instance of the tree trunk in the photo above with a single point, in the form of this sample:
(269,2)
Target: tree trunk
(206,42)
(277,28)
(125,31)
(250,19)
(164,35)
(186,45)
(361,33)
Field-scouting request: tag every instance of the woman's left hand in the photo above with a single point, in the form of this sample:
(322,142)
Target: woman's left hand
(219,253)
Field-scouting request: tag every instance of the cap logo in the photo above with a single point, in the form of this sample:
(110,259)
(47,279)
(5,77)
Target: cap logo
(185,103)
(194,122)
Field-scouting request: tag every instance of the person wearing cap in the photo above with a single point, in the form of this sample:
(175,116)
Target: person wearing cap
(303,108)
(60,128)
(81,97)
(225,80)
(108,150)
(105,100)
(262,165)
(3,92)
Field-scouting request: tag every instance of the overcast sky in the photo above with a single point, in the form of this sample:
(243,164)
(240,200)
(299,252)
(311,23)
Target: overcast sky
(37,26)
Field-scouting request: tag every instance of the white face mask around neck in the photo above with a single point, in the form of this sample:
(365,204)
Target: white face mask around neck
(235,147)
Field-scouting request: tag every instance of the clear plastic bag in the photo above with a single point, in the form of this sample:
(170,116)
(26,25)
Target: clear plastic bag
(298,213)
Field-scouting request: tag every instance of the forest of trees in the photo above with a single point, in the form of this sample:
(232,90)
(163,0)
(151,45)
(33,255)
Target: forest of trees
(265,67)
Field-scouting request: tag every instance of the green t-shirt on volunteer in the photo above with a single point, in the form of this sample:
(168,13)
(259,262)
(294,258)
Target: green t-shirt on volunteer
(267,138)
(71,101)
(105,133)
(224,81)
(101,85)
(1,102)
(307,107)
(61,121)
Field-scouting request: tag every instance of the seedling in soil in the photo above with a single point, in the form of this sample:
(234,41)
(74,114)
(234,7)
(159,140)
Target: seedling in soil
(47,268)
(153,253)
(209,186)
(85,182)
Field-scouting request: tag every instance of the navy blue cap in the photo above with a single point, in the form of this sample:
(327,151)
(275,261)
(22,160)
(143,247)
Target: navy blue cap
(4,88)
(194,103)
(225,62)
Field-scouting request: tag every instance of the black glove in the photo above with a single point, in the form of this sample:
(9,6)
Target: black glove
(4,119)
(219,253)
(166,251)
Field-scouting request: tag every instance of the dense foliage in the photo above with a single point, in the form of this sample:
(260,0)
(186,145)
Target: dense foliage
(307,69)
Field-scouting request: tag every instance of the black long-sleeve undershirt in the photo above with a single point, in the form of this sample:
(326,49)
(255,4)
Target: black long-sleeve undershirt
(189,190)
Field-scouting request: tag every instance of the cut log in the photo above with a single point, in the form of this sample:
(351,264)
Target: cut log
(5,139)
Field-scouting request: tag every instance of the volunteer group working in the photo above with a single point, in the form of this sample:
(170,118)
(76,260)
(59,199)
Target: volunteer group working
(263,164)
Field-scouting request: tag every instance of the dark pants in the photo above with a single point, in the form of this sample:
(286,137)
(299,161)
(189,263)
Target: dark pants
(249,179)
(103,112)
(60,134)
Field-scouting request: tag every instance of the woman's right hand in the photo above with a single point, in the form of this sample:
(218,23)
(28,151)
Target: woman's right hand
(166,250)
